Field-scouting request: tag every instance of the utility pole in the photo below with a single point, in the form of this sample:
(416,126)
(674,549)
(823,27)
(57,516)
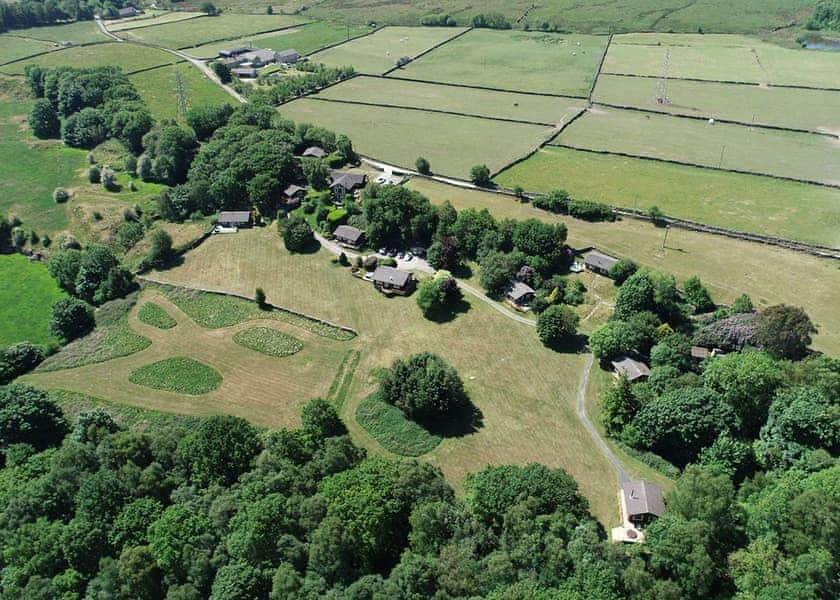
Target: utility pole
(665,239)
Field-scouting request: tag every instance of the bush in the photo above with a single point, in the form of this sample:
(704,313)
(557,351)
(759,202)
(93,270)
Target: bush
(298,235)
(557,326)
(587,210)
(19,359)
(130,164)
(259,297)
(109,179)
(480,176)
(94,174)
(161,250)
(71,318)
(423,166)
(60,195)
(623,270)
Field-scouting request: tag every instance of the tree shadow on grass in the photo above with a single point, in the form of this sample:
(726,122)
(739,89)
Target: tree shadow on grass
(575,345)
(467,420)
(449,312)
(462,272)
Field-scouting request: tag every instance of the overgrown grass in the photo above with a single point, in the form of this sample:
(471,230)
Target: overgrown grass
(159,90)
(132,417)
(154,315)
(26,298)
(178,374)
(268,341)
(394,432)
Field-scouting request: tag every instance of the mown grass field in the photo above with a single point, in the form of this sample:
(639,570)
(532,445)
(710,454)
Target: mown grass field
(14,48)
(305,39)
(453,144)
(26,300)
(194,32)
(814,110)
(525,391)
(80,32)
(785,154)
(266,390)
(378,52)
(514,60)
(750,203)
(540,109)
(721,58)
(150,20)
(128,57)
(728,267)
(158,88)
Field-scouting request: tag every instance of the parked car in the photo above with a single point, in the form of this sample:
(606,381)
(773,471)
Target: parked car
(392,252)
(576,267)
(409,256)
(400,255)
(382,250)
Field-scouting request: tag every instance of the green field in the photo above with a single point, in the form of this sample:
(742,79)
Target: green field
(193,32)
(158,88)
(801,156)
(505,105)
(814,110)
(26,300)
(80,32)
(149,21)
(305,39)
(376,53)
(128,57)
(728,267)
(721,58)
(452,144)
(15,48)
(178,374)
(742,202)
(514,60)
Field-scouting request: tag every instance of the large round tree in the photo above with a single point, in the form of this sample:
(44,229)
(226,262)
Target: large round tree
(425,387)
(557,326)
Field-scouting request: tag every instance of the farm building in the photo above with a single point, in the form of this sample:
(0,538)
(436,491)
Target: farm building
(519,294)
(258,58)
(244,72)
(235,218)
(632,369)
(288,57)
(232,52)
(314,152)
(349,236)
(344,183)
(128,11)
(598,262)
(292,196)
(641,504)
(389,280)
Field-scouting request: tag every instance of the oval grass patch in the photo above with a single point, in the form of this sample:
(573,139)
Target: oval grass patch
(178,374)
(154,315)
(268,341)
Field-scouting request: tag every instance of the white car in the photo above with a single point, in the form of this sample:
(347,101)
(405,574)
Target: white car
(576,268)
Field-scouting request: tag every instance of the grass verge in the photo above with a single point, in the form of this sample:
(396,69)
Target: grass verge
(178,374)
(394,432)
(268,341)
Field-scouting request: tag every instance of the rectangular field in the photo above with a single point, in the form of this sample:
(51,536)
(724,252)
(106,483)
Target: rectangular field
(720,58)
(150,21)
(305,39)
(453,144)
(376,53)
(26,300)
(751,203)
(814,110)
(158,89)
(800,156)
(485,103)
(79,32)
(546,63)
(194,32)
(15,48)
(128,57)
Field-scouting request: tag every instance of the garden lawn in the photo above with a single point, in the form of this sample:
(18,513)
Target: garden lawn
(548,63)
(194,32)
(268,341)
(727,267)
(13,47)
(159,90)
(80,32)
(154,315)
(453,144)
(800,156)
(814,110)
(26,298)
(178,374)
(128,57)
(376,53)
(525,391)
(721,58)
(485,103)
(751,203)
(394,432)
(305,39)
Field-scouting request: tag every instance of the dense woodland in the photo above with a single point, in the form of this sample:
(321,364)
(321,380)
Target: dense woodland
(30,13)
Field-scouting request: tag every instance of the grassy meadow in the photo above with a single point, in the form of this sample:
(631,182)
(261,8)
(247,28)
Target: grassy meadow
(728,267)
(194,32)
(158,88)
(26,306)
(786,154)
(150,20)
(453,144)
(749,203)
(80,32)
(305,39)
(178,374)
(485,103)
(814,110)
(378,52)
(721,58)
(514,60)
(14,48)
(128,57)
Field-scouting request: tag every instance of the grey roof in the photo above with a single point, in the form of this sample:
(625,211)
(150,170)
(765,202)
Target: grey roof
(128,11)
(391,276)
(291,53)
(244,71)
(517,290)
(599,260)
(642,498)
(293,189)
(349,181)
(700,352)
(351,234)
(632,369)
(261,56)
(315,151)
(234,51)
(234,216)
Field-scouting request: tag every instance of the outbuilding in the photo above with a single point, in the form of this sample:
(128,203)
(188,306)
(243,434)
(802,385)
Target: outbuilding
(314,152)
(351,237)
(598,262)
(641,502)
(632,369)
(128,11)
(244,72)
(389,280)
(293,195)
(287,57)
(520,294)
(235,218)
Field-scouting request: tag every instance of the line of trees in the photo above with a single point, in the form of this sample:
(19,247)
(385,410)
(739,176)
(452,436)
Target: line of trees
(31,13)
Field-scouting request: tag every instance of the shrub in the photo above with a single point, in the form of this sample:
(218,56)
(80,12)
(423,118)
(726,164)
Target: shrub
(130,164)
(298,235)
(622,270)
(60,195)
(128,234)
(94,174)
(161,250)
(71,318)
(557,326)
(480,176)
(423,166)
(109,179)
(259,297)
(587,210)
(19,359)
